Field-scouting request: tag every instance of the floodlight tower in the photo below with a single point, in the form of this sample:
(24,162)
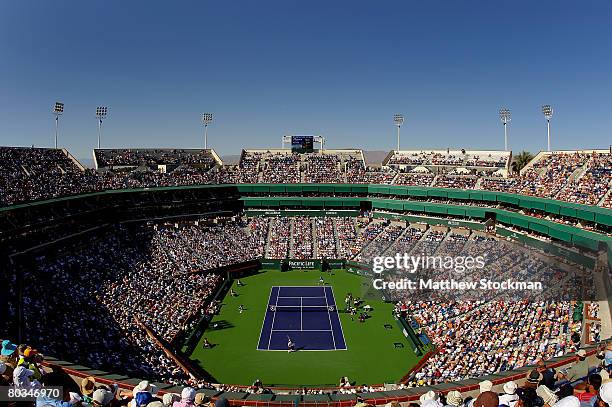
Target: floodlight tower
(398,119)
(548,113)
(207,119)
(101,113)
(504,115)
(58,110)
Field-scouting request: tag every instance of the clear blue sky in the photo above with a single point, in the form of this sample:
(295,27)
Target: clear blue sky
(339,68)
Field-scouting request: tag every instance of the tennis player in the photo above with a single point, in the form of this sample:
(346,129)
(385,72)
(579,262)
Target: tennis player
(290,345)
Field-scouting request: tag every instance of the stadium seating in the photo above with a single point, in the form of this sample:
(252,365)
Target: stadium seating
(28,174)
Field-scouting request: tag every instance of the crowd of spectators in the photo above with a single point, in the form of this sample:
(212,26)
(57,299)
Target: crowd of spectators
(323,168)
(326,238)
(578,177)
(414,179)
(28,174)
(455,181)
(381,243)
(346,231)
(590,187)
(153,157)
(302,242)
(156,276)
(161,277)
(584,383)
(453,158)
(278,238)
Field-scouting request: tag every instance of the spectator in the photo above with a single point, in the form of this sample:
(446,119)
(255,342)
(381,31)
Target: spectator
(486,399)
(4,381)
(605,395)
(23,378)
(168,399)
(579,370)
(187,398)
(454,399)
(509,397)
(87,388)
(201,400)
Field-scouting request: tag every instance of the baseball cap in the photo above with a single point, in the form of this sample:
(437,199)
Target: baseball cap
(581,353)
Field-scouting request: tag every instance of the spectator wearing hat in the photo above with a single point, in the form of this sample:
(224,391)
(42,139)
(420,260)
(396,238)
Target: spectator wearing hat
(201,400)
(187,398)
(509,397)
(605,395)
(569,401)
(430,399)
(528,396)
(142,394)
(454,399)
(87,388)
(100,398)
(23,378)
(548,374)
(7,354)
(485,385)
(168,399)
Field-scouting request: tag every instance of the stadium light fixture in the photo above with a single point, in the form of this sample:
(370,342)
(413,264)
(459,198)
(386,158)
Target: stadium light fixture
(548,113)
(207,119)
(398,119)
(58,110)
(101,113)
(504,115)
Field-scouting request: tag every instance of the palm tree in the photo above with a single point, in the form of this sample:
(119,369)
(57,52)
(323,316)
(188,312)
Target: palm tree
(521,160)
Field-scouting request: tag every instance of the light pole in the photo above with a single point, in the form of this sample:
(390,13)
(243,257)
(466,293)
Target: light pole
(504,115)
(207,119)
(398,119)
(101,113)
(548,113)
(58,109)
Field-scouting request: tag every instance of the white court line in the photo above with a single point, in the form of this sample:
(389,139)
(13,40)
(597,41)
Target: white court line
(284,296)
(331,327)
(303,330)
(294,330)
(273,317)
(331,290)
(264,320)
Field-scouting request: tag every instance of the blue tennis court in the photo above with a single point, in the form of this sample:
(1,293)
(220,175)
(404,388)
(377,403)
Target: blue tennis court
(307,315)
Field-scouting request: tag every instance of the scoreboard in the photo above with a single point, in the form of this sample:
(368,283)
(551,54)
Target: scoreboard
(302,144)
